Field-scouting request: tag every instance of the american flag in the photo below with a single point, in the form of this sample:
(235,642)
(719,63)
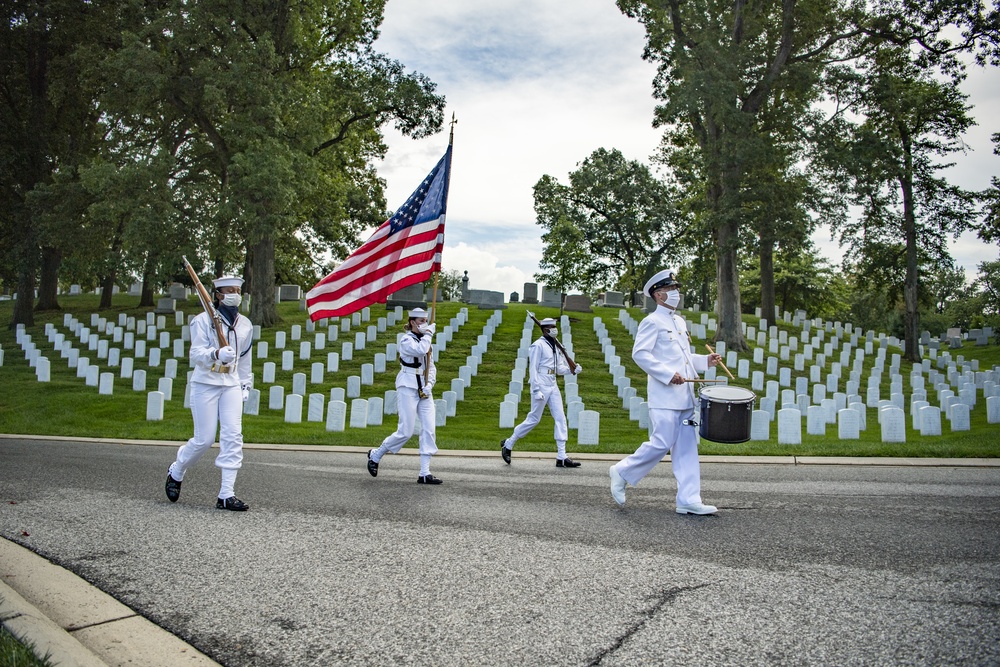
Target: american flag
(404,250)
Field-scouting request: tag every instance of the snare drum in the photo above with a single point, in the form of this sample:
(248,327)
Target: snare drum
(726,413)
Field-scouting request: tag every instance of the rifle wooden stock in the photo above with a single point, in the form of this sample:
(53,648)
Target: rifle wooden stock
(206,303)
(572,364)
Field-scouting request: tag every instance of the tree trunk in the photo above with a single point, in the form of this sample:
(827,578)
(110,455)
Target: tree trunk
(729,309)
(911,304)
(107,290)
(767,296)
(48,288)
(263,310)
(148,276)
(24,312)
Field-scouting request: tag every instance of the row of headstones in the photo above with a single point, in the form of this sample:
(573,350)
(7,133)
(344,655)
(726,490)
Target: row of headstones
(826,410)
(852,420)
(368,371)
(578,418)
(853,384)
(363,411)
(91,373)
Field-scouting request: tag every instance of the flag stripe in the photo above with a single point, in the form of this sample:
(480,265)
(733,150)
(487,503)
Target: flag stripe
(403,251)
(381,256)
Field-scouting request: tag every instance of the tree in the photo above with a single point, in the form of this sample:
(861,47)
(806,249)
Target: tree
(566,263)
(278,108)
(802,280)
(622,211)
(722,66)
(909,118)
(48,128)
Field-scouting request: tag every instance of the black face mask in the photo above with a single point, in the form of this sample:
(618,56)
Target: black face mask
(228,312)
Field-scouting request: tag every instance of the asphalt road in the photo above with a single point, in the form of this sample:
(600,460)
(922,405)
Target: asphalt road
(527,564)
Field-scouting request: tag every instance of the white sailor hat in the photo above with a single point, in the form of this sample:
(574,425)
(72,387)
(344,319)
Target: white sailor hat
(665,278)
(228,281)
(547,322)
(418,312)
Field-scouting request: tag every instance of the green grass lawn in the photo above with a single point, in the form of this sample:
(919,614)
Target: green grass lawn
(66,406)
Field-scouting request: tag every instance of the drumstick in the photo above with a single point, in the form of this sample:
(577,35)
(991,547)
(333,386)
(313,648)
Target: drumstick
(720,361)
(701,380)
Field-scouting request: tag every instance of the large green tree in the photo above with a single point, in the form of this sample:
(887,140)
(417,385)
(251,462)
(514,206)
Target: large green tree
(626,216)
(279,107)
(723,65)
(909,119)
(48,127)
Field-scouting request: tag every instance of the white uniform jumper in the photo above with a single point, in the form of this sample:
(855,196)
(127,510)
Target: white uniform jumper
(217,398)
(544,365)
(663,348)
(413,348)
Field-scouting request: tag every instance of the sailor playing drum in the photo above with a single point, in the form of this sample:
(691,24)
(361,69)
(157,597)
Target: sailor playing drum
(663,350)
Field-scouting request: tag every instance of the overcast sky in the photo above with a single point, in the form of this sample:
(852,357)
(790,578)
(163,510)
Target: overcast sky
(536,87)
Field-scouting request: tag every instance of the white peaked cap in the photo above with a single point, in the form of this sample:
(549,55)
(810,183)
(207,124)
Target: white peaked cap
(228,281)
(548,322)
(664,278)
(418,312)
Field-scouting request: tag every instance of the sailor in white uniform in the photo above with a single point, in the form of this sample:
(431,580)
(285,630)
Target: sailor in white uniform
(663,350)
(413,396)
(221,382)
(545,364)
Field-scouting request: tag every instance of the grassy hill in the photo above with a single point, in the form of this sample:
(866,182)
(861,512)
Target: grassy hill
(67,406)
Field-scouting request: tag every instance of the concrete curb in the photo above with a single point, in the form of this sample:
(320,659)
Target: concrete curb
(78,624)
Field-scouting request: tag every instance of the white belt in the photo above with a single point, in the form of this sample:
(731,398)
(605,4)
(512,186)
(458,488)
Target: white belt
(412,371)
(549,371)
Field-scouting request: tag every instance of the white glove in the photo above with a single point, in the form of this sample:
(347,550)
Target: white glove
(246,387)
(539,396)
(428,328)
(226,355)
(579,369)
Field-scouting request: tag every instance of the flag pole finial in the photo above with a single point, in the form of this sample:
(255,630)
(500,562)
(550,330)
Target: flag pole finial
(451,134)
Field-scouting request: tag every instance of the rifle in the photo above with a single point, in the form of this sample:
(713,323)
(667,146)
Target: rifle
(206,303)
(572,364)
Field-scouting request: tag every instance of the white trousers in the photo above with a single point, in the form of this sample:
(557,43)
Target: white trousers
(212,406)
(668,435)
(553,399)
(409,406)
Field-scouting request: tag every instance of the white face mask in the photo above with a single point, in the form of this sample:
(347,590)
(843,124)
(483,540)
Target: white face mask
(232,300)
(673,298)
(552,331)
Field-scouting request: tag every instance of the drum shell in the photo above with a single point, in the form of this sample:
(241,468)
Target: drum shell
(726,421)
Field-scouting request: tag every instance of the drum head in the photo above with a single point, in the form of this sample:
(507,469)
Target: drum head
(727,394)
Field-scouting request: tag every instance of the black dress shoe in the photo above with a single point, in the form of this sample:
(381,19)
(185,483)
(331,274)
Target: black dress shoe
(372,465)
(567,463)
(173,488)
(504,452)
(231,503)
(428,479)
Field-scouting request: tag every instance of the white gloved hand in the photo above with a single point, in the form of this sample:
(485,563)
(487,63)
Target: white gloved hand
(226,355)
(246,387)
(539,396)
(428,328)
(579,369)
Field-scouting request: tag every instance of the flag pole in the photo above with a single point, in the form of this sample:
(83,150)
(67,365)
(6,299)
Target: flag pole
(437,274)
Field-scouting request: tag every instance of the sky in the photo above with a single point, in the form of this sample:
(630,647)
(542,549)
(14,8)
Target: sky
(536,86)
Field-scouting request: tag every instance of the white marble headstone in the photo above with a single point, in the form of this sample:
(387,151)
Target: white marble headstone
(589,428)
(893,424)
(336,415)
(359,413)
